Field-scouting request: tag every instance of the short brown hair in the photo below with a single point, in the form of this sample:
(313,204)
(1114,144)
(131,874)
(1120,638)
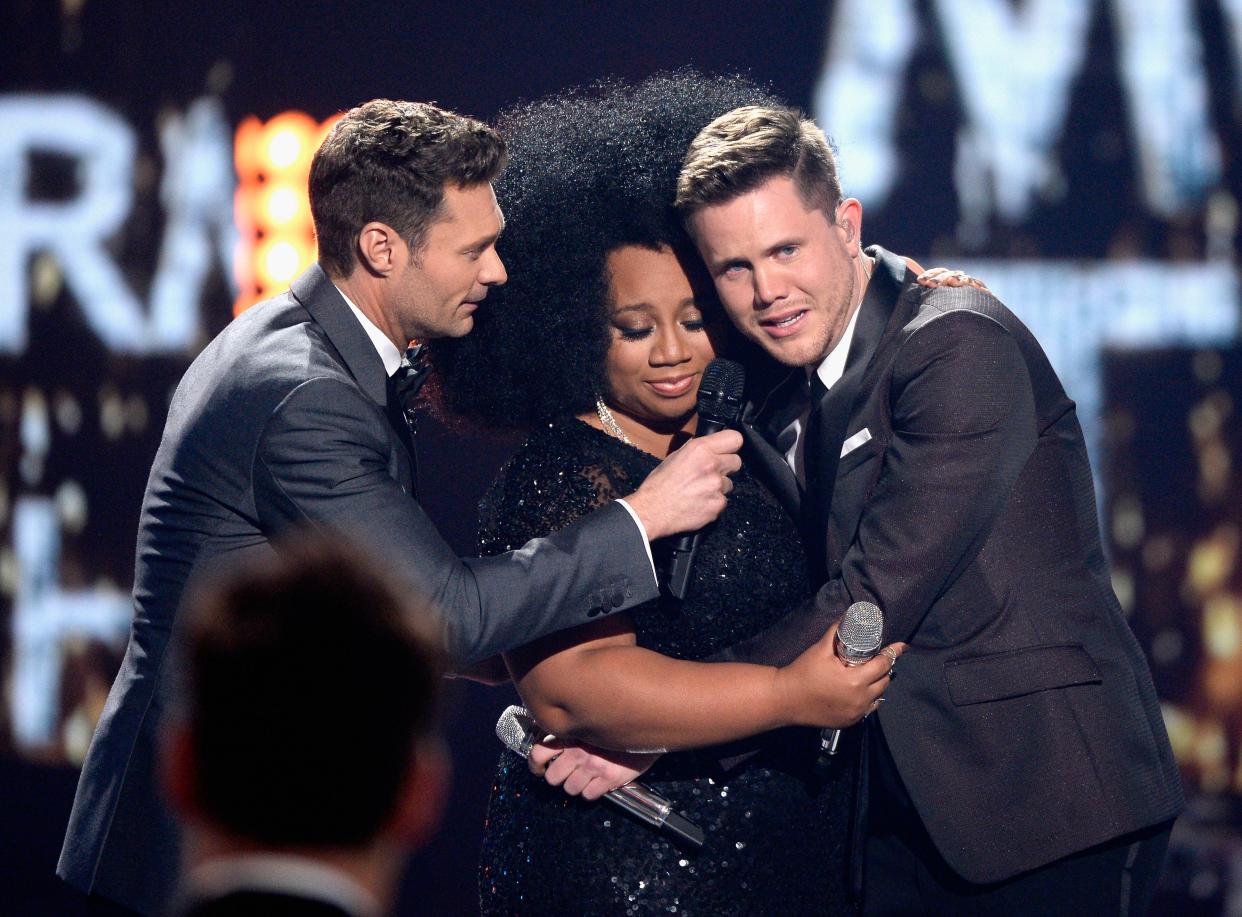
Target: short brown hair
(306,682)
(743,148)
(390,161)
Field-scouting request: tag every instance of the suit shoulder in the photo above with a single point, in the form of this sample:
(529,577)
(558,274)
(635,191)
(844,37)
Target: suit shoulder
(968,307)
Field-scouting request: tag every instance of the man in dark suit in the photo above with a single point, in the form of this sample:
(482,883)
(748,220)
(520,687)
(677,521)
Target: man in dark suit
(301,794)
(1020,764)
(294,415)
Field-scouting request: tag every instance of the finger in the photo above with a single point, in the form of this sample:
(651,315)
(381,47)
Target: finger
(541,755)
(726,484)
(559,770)
(721,441)
(576,782)
(729,463)
(874,670)
(595,789)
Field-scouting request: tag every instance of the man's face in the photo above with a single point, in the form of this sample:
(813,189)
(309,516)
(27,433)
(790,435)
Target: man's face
(442,283)
(785,272)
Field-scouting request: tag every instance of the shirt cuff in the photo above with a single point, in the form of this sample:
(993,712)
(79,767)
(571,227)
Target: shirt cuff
(646,541)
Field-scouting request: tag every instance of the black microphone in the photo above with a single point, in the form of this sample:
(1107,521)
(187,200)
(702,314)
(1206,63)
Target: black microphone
(519,732)
(720,402)
(858,640)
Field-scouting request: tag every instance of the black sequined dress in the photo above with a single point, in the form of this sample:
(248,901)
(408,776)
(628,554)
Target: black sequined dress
(775,833)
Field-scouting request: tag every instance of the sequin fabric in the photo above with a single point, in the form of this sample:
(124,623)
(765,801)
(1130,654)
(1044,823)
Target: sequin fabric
(775,833)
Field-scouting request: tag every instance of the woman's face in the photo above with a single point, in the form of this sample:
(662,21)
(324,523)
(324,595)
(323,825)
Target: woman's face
(661,339)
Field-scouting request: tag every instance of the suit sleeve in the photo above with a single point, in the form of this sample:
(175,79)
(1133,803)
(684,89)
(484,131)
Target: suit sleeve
(963,427)
(323,460)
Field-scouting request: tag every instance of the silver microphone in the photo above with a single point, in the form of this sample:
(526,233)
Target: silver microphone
(519,732)
(858,640)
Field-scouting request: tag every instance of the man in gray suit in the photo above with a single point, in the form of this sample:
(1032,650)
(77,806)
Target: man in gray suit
(294,415)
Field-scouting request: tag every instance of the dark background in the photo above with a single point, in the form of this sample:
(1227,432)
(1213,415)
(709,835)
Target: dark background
(1168,444)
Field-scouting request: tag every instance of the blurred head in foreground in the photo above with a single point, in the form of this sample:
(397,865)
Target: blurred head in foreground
(305,723)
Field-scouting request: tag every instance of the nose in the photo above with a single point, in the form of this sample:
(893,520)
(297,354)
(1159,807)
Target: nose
(769,286)
(670,347)
(493,273)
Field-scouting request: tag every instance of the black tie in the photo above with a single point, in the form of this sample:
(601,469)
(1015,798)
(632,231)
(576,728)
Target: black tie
(810,441)
(403,385)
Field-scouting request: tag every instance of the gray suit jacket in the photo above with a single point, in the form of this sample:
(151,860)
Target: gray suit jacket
(281,422)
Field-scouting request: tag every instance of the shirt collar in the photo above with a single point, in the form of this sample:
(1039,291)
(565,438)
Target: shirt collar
(280,874)
(388,352)
(832,367)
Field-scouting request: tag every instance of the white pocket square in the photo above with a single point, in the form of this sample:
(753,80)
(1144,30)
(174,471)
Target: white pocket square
(853,442)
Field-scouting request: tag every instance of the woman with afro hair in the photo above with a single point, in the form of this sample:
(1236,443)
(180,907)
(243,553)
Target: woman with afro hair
(596,347)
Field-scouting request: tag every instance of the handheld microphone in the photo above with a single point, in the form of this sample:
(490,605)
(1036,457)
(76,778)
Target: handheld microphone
(519,732)
(858,640)
(720,403)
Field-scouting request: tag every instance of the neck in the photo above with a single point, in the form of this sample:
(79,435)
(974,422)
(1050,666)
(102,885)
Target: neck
(367,293)
(375,868)
(658,440)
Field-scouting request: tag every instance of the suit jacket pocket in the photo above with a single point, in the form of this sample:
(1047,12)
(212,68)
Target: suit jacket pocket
(860,456)
(978,679)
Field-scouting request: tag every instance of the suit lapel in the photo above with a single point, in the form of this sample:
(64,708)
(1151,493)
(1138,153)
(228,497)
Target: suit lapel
(840,404)
(320,297)
(762,420)
(769,466)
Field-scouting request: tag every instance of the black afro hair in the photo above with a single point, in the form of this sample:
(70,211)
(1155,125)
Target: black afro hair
(590,170)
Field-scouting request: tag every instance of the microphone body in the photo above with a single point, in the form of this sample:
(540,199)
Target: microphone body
(519,732)
(858,640)
(719,404)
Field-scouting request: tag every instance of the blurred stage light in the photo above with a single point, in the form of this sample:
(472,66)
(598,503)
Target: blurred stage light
(271,207)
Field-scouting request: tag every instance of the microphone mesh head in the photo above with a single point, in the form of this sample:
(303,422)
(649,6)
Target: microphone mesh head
(720,391)
(516,728)
(861,630)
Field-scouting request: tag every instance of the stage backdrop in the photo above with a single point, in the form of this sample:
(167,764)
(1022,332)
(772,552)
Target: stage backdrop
(1078,155)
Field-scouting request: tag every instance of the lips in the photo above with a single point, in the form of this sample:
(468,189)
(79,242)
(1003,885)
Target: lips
(672,387)
(779,326)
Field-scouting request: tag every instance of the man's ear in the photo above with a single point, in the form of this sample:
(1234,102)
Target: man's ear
(380,249)
(849,221)
(423,795)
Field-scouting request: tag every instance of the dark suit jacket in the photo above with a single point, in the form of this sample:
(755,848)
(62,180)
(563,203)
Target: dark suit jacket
(1023,719)
(281,421)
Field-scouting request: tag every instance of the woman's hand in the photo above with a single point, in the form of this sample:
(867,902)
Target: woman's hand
(585,771)
(820,689)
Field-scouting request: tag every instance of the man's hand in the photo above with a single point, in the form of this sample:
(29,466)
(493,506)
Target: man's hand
(584,770)
(687,490)
(820,689)
(944,277)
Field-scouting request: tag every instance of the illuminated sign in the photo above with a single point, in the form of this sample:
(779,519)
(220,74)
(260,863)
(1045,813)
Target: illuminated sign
(271,206)
(196,192)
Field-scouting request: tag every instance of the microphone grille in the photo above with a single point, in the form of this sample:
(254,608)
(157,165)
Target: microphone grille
(517,730)
(720,391)
(861,630)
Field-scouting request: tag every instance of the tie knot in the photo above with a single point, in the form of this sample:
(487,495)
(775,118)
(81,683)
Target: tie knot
(818,389)
(410,375)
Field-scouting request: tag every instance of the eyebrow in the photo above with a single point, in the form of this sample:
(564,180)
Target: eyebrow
(647,307)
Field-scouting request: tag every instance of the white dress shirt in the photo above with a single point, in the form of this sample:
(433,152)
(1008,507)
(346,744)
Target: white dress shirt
(830,370)
(281,874)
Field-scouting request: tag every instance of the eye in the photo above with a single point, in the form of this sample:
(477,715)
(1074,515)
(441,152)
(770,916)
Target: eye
(633,334)
(733,269)
(787,251)
(694,324)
